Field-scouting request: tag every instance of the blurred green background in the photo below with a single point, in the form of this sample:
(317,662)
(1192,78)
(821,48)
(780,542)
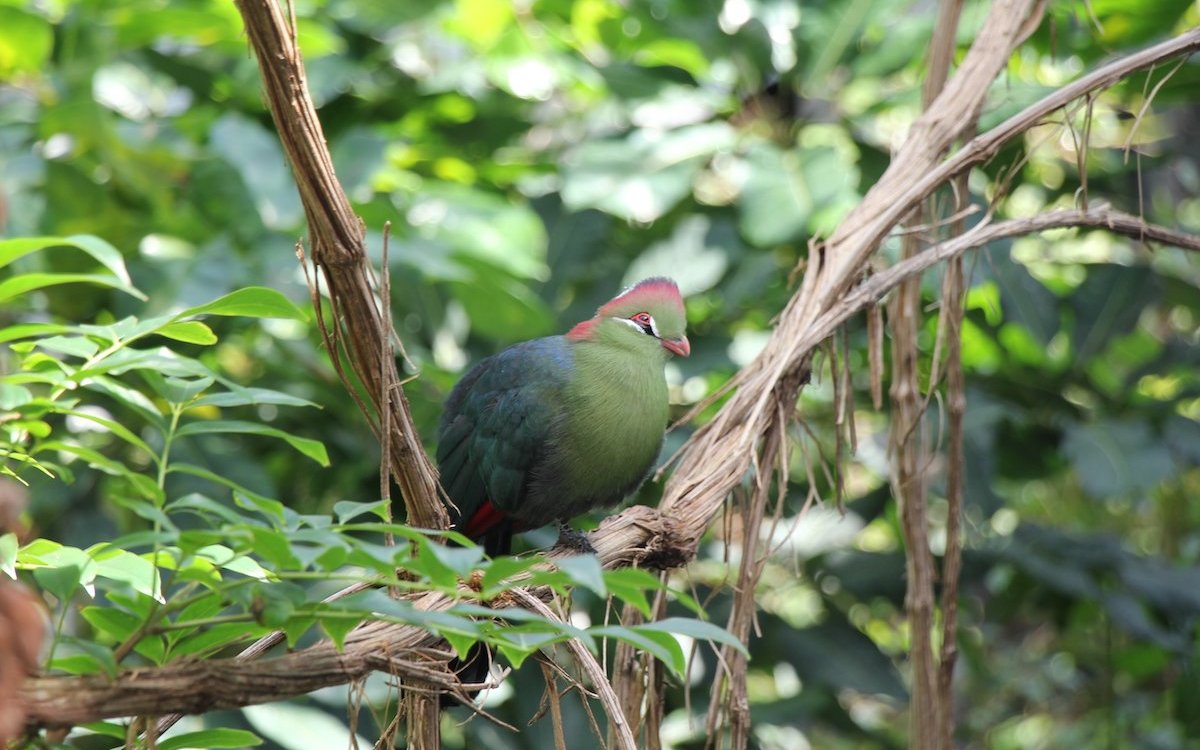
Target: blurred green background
(532,158)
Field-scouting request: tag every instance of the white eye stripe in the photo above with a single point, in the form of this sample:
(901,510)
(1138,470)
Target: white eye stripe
(639,327)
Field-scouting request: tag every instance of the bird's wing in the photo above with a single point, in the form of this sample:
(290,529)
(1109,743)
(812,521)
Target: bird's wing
(497,429)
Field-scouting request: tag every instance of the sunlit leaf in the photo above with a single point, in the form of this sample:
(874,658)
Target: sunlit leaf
(314,449)
(250,302)
(188,331)
(26,283)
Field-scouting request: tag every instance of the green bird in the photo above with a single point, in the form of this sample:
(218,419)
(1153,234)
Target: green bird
(551,428)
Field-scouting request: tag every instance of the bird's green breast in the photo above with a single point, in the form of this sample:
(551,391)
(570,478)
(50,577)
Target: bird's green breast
(617,414)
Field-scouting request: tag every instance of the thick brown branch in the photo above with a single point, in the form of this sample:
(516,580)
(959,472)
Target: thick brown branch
(196,687)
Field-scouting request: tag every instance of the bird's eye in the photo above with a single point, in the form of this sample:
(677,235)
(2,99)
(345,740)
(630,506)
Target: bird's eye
(645,321)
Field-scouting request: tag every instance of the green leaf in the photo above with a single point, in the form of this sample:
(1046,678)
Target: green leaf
(32,330)
(518,646)
(78,656)
(502,568)
(26,283)
(633,595)
(14,396)
(459,562)
(129,396)
(119,565)
(107,728)
(658,644)
(107,255)
(273,509)
(696,255)
(148,510)
(111,621)
(189,331)
(177,391)
(644,175)
(61,581)
(584,571)
(275,603)
(1108,304)
(314,449)
(1024,300)
(8,554)
(93,458)
(226,558)
(251,302)
(214,638)
(482,226)
(208,738)
(274,548)
(76,346)
(1113,458)
(337,628)
(377,603)
(502,308)
(697,629)
(239,396)
(295,628)
(26,40)
(682,53)
(345,510)
(116,428)
(207,605)
(785,189)
(205,506)
(254,152)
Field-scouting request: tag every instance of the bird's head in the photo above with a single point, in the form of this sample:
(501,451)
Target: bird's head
(651,308)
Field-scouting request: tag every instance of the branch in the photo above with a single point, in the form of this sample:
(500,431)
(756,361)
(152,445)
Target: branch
(192,687)
(719,453)
(338,251)
(908,451)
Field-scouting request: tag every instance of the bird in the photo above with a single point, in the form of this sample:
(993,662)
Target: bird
(549,429)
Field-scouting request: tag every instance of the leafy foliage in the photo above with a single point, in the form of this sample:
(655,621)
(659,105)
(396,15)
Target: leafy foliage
(189,495)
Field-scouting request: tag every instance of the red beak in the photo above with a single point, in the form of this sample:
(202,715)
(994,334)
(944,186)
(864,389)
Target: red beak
(679,347)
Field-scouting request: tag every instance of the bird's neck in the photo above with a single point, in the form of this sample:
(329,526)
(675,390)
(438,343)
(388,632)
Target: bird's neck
(618,403)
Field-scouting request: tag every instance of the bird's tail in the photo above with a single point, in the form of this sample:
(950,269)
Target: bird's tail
(473,669)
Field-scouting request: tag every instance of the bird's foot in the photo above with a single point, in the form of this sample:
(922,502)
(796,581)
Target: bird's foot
(575,540)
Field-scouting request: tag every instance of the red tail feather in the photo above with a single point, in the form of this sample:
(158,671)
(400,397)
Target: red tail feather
(483,520)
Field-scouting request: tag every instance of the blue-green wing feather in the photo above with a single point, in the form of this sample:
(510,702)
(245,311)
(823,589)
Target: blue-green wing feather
(499,427)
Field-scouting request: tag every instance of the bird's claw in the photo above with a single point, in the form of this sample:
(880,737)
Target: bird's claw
(575,540)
